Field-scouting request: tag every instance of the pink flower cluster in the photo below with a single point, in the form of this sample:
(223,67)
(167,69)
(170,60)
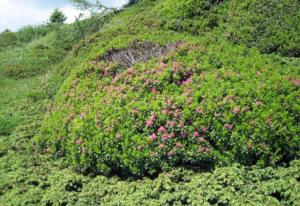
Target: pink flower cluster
(171,123)
(162,129)
(151,121)
(167,112)
(167,136)
(171,153)
(236,110)
(203,149)
(179,145)
(153,137)
(79,141)
(296,82)
(199,110)
(228,126)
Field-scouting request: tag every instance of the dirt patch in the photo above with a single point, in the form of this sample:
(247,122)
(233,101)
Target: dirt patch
(137,52)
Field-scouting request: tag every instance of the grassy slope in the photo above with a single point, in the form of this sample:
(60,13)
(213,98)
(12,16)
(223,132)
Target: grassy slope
(30,178)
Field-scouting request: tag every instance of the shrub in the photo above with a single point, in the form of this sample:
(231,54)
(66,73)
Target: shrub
(272,26)
(7,38)
(188,109)
(28,33)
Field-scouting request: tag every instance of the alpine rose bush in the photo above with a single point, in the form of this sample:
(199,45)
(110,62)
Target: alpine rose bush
(198,115)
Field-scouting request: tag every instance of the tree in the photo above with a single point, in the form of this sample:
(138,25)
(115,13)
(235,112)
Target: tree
(96,5)
(92,6)
(57,17)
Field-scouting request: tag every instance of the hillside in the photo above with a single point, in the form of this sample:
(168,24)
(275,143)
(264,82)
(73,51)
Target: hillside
(193,102)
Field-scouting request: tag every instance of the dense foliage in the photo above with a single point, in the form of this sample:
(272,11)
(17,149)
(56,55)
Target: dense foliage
(272,26)
(7,38)
(196,103)
(196,106)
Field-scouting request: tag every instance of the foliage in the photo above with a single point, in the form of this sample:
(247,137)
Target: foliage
(28,33)
(272,26)
(57,17)
(7,38)
(210,102)
(206,108)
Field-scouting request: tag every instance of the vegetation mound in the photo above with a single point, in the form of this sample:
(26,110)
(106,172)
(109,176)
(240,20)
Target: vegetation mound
(206,102)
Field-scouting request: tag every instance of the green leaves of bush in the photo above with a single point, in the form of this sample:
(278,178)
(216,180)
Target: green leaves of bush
(177,111)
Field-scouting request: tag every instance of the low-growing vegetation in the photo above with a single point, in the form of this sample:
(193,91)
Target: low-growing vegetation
(190,102)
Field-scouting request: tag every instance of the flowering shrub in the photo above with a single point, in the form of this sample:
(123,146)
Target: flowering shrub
(199,115)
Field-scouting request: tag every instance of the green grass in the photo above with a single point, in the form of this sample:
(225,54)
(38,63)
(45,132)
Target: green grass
(11,94)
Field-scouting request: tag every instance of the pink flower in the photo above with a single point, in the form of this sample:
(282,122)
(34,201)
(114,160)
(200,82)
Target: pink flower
(167,112)
(171,153)
(203,149)
(164,137)
(79,141)
(115,79)
(228,126)
(201,140)
(135,111)
(161,146)
(179,145)
(130,71)
(171,123)
(296,82)
(198,110)
(196,134)
(189,80)
(172,135)
(153,90)
(162,129)
(153,137)
(150,123)
(204,129)
(236,110)
(189,91)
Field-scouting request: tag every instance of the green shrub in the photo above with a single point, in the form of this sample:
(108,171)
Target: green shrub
(28,33)
(189,109)
(7,124)
(272,26)
(7,38)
